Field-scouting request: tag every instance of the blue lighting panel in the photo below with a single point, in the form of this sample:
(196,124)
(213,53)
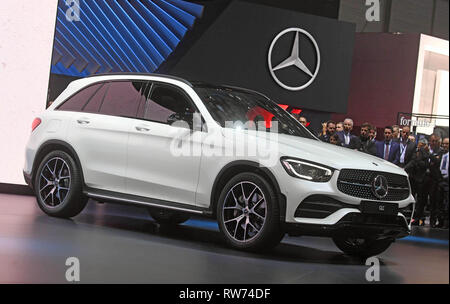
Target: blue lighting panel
(119,35)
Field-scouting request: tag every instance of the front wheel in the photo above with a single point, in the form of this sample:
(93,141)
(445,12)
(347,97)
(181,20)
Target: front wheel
(248,213)
(361,247)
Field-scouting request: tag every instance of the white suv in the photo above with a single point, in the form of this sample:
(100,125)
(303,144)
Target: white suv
(164,143)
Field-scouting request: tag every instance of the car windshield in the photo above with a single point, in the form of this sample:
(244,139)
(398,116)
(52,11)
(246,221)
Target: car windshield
(235,108)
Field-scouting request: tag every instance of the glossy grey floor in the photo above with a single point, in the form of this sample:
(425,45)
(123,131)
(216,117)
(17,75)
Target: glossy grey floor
(122,244)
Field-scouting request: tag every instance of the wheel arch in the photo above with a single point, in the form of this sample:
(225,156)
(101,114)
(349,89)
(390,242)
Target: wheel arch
(242,166)
(52,145)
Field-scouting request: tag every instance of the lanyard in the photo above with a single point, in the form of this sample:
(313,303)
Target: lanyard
(402,148)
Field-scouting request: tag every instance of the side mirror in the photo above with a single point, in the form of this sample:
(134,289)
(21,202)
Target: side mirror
(174,118)
(180,120)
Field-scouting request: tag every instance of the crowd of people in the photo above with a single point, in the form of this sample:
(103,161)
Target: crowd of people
(425,161)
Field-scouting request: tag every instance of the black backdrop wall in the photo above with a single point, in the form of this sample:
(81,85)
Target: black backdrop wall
(325,8)
(229,45)
(234,51)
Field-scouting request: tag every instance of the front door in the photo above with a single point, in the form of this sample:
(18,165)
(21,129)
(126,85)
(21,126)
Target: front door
(163,153)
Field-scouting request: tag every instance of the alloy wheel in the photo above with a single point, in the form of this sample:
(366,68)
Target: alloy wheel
(244,211)
(54,182)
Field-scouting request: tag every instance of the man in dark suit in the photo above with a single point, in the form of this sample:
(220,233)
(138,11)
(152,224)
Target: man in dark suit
(407,147)
(417,169)
(346,136)
(396,133)
(388,149)
(435,177)
(304,121)
(373,133)
(443,185)
(366,145)
(330,130)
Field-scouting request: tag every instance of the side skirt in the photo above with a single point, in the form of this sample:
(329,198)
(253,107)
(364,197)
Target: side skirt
(127,199)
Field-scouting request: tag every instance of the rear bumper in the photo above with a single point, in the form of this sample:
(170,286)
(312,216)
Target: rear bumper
(355,225)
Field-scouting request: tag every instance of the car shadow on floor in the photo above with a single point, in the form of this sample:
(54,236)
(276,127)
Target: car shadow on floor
(199,238)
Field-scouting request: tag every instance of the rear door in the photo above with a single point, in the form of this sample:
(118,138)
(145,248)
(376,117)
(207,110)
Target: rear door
(99,132)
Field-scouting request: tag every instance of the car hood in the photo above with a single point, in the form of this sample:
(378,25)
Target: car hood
(331,155)
(327,154)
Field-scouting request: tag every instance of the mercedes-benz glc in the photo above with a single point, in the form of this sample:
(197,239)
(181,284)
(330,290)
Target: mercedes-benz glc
(180,148)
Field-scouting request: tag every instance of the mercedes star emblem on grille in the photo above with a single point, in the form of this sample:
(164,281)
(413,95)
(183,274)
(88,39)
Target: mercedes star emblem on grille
(380,186)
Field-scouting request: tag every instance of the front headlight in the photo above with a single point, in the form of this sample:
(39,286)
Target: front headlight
(306,170)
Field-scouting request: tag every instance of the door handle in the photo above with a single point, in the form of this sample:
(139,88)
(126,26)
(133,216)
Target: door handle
(142,129)
(83,121)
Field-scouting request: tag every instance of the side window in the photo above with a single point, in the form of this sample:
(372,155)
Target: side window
(168,105)
(143,99)
(93,106)
(80,99)
(122,98)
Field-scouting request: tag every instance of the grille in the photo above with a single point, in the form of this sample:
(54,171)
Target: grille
(358,183)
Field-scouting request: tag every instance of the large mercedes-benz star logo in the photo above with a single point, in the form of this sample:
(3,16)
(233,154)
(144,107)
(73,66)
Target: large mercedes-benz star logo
(380,186)
(294,59)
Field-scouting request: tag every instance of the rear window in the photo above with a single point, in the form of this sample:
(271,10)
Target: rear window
(78,101)
(118,98)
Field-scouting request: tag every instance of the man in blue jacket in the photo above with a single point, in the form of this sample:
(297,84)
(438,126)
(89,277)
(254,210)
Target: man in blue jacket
(389,149)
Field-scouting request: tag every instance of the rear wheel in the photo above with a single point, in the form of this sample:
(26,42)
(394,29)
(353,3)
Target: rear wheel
(361,247)
(58,185)
(248,213)
(168,217)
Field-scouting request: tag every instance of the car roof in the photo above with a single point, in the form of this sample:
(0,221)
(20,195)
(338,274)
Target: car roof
(200,84)
(192,84)
(140,74)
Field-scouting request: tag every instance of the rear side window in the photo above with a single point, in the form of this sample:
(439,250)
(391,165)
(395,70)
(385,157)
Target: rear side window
(95,102)
(123,98)
(80,99)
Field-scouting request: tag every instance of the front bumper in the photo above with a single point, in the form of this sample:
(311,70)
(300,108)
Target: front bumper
(298,192)
(355,225)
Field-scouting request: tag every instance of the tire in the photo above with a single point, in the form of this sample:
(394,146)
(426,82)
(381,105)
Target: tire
(168,217)
(59,186)
(361,247)
(248,213)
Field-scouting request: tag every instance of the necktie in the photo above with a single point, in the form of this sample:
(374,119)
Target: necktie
(386,152)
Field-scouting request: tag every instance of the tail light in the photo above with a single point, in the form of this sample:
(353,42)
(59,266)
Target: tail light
(35,124)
